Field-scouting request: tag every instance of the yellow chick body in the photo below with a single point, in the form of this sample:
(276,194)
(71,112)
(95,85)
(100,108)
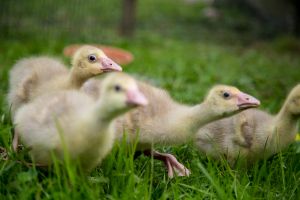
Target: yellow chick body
(73,122)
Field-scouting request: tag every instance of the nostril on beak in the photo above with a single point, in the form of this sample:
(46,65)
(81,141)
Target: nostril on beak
(247,98)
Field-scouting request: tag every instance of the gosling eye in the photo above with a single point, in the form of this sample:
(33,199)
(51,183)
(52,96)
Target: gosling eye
(226,95)
(92,58)
(117,88)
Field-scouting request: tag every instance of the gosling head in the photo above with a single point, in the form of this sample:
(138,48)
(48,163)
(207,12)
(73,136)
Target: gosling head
(89,61)
(227,100)
(293,102)
(120,93)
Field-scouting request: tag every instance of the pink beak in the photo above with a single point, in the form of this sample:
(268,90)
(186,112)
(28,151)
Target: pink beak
(247,101)
(109,65)
(136,98)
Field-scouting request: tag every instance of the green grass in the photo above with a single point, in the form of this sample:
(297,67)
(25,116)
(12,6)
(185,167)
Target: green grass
(176,48)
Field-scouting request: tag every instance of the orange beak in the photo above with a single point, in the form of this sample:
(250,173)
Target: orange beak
(109,65)
(136,98)
(247,101)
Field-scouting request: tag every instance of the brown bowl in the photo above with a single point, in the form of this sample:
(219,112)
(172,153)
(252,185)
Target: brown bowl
(118,55)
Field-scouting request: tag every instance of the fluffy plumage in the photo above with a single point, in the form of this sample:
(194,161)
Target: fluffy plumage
(31,77)
(252,134)
(165,121)
(27,73)
(72,121)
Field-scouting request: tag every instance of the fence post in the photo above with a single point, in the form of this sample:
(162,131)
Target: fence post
(128,17)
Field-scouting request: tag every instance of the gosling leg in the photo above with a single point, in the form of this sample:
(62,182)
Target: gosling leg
(172,164)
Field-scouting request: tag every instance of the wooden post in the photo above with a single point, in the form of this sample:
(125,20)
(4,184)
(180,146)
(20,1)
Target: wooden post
(128,17)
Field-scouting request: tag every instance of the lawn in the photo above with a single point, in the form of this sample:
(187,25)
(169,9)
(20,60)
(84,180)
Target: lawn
(175,48)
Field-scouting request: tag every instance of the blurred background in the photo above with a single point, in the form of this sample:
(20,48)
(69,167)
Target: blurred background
(185,46)
(94,20)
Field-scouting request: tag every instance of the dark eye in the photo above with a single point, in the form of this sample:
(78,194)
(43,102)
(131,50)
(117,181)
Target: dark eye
(92,58)
(226,95)
(117,88)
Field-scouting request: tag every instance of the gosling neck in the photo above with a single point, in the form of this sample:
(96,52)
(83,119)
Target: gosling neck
(183,122)
(95,119)
(105,111)
(76,79)
(285,120)
(197,116)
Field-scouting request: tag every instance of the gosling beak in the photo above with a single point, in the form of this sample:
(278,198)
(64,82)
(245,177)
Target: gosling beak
(247,101)
(109,65)
(136,98)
